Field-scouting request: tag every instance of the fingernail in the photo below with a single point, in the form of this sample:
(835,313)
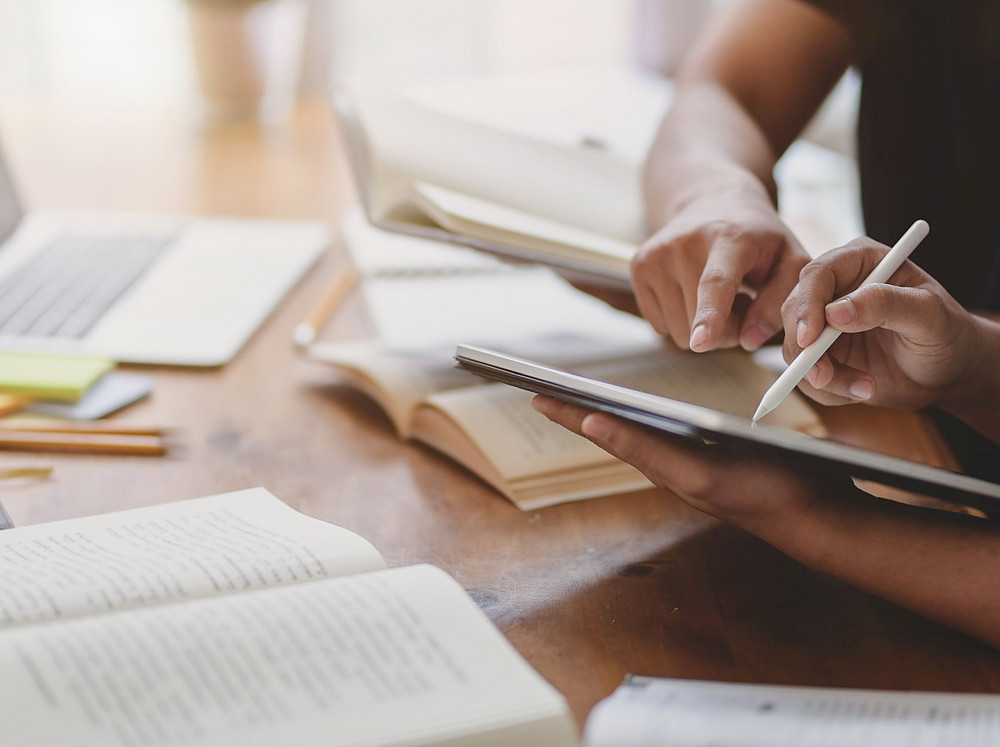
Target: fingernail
(862,389)
(811,375)
(699,336)
(800,333)
(595,427)
(841,312)
(754,336)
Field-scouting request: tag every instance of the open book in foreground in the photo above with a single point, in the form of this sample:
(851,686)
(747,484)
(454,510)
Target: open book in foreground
(493,431)
(235,620)
(426,173)
(660,712)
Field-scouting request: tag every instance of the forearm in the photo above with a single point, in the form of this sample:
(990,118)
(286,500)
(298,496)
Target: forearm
(944,566)
(707,145)
(975,397)
(741,98)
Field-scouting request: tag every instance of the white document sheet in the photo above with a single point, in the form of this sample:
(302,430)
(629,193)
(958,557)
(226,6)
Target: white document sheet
(654,712)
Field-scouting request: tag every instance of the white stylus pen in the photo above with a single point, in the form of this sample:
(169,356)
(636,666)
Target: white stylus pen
(805,360)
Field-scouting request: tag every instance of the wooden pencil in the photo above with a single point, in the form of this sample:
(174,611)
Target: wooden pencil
(74,426)
(306,332)
(83,443)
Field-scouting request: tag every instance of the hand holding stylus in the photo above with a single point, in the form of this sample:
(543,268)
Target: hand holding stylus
(810,355)
(909,343)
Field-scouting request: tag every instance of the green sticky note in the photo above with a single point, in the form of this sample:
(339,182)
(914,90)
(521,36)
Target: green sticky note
(65,378)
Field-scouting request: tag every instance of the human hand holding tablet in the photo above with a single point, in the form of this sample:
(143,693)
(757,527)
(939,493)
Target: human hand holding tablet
(786,448)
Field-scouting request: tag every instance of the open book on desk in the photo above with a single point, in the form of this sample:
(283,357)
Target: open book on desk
(235,620)
(429,174)
(493,431)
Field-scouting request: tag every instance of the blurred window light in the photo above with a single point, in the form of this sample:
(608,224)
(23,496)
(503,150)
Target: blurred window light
(93,49)
(416,38)
(140,50)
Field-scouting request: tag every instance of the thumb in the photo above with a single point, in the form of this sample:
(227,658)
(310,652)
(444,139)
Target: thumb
(915,313)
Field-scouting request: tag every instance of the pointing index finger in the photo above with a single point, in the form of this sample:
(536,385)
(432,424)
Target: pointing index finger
(720,281)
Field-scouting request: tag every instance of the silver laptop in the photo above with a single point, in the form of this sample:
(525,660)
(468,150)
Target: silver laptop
(143,288)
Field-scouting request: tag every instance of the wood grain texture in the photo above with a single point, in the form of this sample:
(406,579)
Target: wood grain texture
(587,592)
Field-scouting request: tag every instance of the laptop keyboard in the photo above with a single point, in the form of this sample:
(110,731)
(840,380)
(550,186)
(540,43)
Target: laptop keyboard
(64,289)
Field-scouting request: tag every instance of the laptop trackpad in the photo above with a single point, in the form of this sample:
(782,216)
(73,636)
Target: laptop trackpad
(207,294)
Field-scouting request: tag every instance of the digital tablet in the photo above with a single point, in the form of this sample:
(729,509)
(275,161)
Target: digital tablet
(690,421)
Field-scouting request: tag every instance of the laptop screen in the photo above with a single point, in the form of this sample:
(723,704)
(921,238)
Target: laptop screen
(10,207)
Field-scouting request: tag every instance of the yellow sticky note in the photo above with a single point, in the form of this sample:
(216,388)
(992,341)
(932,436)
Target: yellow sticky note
(65,378)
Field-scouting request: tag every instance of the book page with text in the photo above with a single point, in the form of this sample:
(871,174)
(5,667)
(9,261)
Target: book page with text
(398,657)
(519,442)
(167,553)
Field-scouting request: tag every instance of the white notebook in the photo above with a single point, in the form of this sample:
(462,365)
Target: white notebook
(420,292)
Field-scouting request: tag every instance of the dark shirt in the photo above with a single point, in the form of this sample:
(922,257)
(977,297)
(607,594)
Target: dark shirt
(929,132)
(929,147)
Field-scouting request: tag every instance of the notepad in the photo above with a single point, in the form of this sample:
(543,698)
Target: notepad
(63,378)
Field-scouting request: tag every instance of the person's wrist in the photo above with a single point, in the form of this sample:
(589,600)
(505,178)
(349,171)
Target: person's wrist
(973,395)
(783,526)
(712,186)
(807,527)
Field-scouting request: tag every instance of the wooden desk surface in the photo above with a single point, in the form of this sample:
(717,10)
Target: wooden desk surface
(587,592)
